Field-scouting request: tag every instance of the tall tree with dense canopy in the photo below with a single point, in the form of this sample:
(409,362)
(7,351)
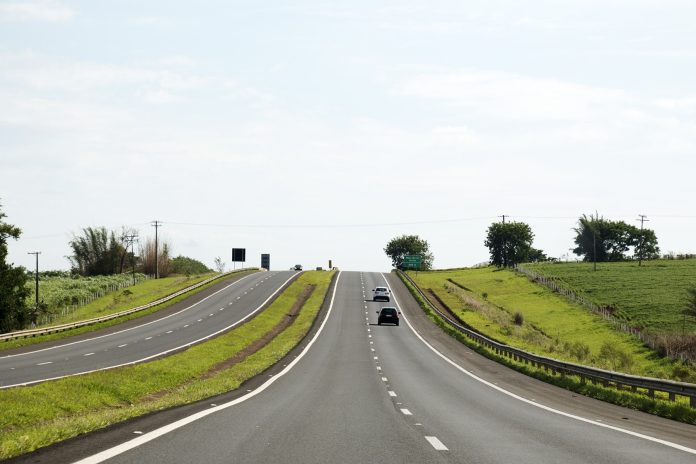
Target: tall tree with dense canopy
(97,252)
(601,240)
(14,313)
(510,243)
(403,245)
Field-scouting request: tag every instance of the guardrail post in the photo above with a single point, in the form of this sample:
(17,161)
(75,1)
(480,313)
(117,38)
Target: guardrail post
(672,396)
(692,401)
(651,393)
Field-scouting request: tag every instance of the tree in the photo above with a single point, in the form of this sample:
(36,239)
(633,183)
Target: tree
(510,243)
(403,245)
(188,266)
(601,240)
(219,265)
(148,256)
(97,252)
(14,313)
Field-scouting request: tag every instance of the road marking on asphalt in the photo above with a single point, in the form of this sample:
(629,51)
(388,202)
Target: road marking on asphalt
(169,331)
(538,405)
(384,379)
(379,368)
(221,309)
(210,315)
(135,442)
(437,444)
(121,346)
(186,326)
(44,363)
(199,320)
(375,357)
(392,393)
(369,336)
(406,412)
(148,338)
(88,354)
(137,432)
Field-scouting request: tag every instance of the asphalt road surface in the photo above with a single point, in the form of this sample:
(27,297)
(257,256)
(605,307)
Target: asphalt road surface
(192,322)
(362,393)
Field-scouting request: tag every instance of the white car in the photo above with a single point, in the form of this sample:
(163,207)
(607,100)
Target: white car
(381,294)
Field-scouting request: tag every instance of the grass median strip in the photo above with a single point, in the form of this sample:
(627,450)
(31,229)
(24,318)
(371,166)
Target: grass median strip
(151,290)
(47,413)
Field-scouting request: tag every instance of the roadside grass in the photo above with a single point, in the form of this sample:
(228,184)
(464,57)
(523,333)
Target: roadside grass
(651,296)
(487,299)
(659,405)
(139,296)
(43,414)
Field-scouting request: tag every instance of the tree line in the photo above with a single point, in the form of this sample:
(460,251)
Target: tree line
(95,251)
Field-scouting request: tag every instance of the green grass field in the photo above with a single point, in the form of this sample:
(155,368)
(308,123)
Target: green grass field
(552,326)
(47,413)
(651,296)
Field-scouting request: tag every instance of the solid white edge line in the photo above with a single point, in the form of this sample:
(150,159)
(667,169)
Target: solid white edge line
(537,405)
(130,363)
(131,328)
(142,439)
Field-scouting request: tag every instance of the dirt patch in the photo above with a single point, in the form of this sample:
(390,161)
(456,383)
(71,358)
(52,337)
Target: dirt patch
(255,346)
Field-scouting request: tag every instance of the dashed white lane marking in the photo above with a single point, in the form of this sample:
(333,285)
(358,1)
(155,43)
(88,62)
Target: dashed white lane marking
(541,406)
(375,357)
(186,326)
(44,363)
(392,393)
(169,331)
(148,338)
(88,354)
(230,303)
(210,315)
(437,444)
(379,368)
(406,412)
(369,336)
(221,309)
(384,379)
(199,320)
(121,346)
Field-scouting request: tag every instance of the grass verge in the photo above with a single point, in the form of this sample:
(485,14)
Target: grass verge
(40,415)
(679,411)
(150,291)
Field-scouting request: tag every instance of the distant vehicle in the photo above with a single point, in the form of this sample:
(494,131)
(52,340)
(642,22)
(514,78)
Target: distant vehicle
(298,267)
(388,315)
(381,294)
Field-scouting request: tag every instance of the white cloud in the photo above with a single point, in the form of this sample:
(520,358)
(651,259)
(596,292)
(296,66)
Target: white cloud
(510,96)
(35,11)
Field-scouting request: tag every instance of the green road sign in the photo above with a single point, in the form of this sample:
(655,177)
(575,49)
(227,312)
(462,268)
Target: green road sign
(412,262)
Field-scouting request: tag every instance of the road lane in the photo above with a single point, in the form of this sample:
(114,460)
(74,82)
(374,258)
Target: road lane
(368,393)
(206,318)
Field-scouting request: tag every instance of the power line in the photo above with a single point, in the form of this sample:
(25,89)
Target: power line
(642,218)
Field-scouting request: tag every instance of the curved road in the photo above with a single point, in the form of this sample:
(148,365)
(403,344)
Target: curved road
(206,318)
(366,393)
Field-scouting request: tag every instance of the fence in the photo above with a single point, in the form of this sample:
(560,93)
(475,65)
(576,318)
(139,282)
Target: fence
(96,320)
(554,366)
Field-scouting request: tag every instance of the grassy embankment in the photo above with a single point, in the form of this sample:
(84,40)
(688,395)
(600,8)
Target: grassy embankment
(121,300)
(651,296)
(47,413)
(551,327)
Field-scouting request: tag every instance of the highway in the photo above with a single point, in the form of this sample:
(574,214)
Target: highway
(195,320)
(362,393)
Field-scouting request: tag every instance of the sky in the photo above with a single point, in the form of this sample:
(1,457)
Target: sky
(318,131)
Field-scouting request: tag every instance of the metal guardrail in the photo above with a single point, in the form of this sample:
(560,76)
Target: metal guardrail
(595,375)
(73,325)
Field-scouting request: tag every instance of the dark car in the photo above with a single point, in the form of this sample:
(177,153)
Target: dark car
(388,315)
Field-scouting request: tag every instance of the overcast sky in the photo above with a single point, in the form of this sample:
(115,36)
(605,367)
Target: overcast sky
(316,130)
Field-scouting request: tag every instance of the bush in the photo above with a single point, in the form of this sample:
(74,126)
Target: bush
(188,266)
(518,318)
(615,358)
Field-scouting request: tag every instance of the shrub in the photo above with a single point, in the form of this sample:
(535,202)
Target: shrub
(518,318)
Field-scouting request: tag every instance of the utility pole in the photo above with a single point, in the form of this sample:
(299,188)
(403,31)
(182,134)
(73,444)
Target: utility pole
(504,216)
(36,274)
(504,244)
(156,224)
(643,218)
(130,240)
